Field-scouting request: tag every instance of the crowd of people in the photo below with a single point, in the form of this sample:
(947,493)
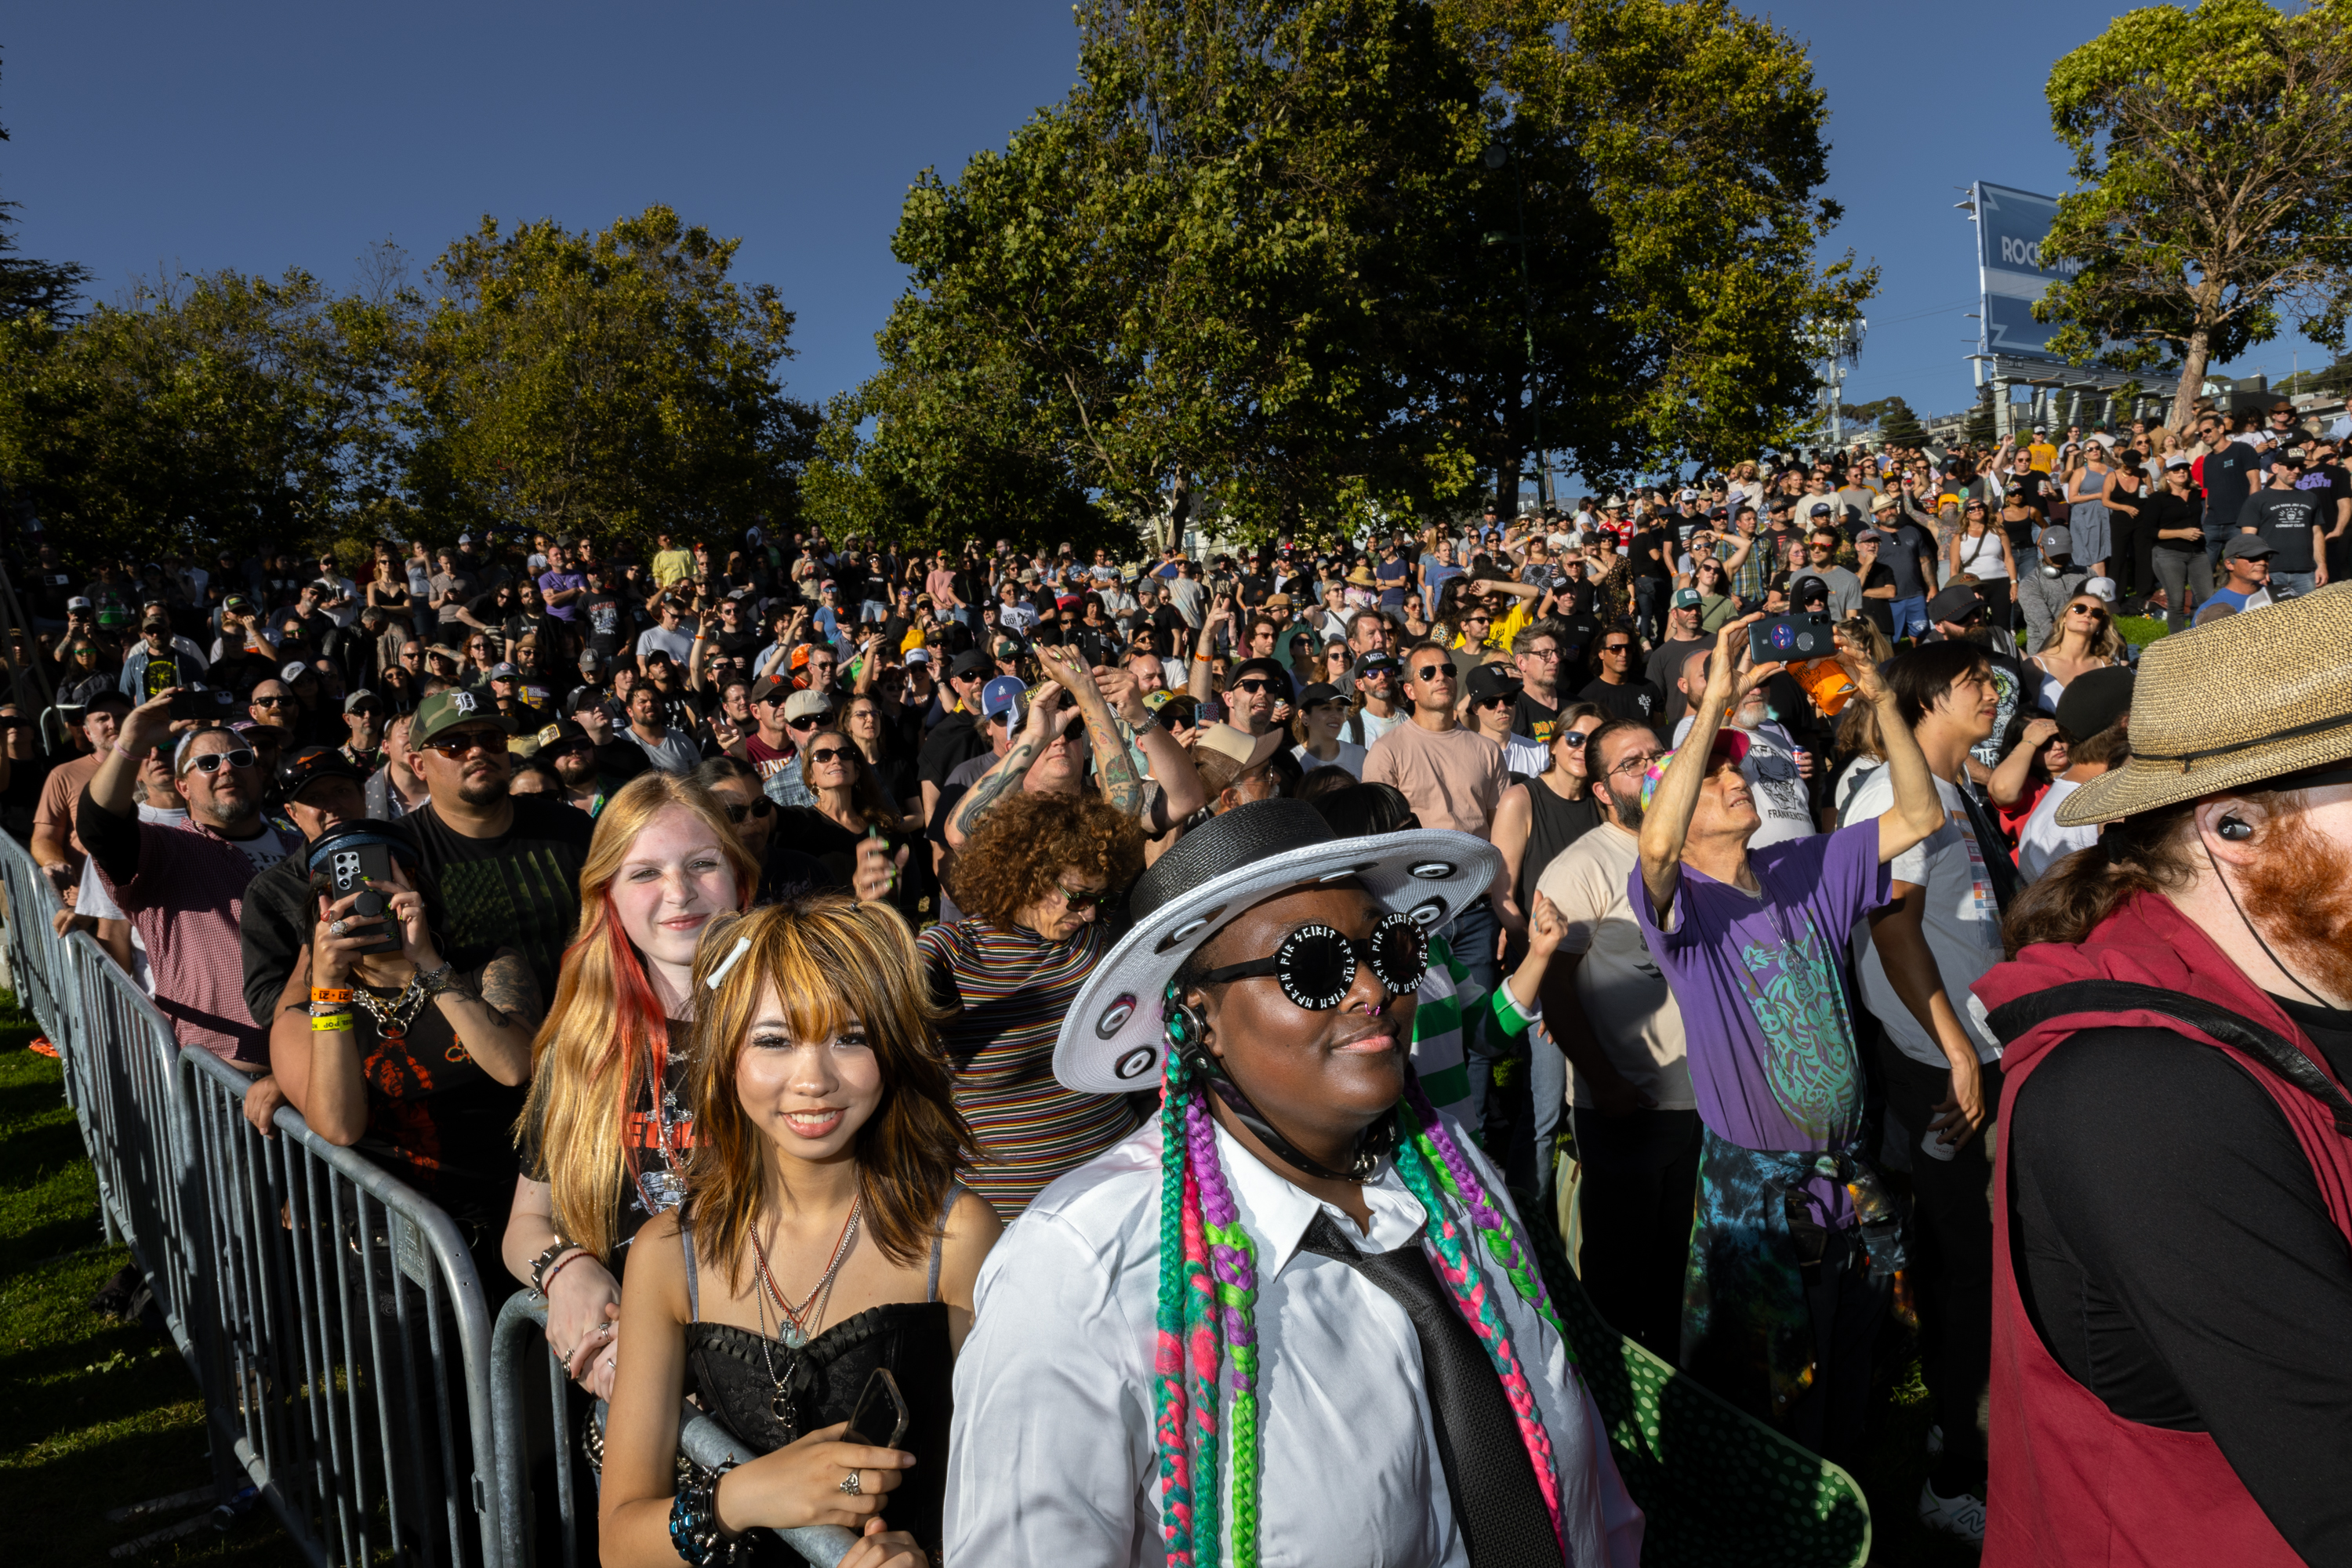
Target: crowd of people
(1152,1008)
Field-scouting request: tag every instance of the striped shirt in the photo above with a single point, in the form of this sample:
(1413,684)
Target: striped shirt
(1444,1037)
(1008,989)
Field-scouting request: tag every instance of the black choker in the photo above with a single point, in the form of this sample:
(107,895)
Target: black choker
(1374,1145)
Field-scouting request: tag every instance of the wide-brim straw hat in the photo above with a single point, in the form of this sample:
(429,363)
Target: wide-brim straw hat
(2251,697)
(1113,1036)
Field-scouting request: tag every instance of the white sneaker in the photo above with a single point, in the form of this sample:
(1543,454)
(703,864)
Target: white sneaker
(1963,1516)
(1935,1441)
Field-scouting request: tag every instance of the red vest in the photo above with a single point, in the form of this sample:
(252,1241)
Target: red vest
(2071,1482)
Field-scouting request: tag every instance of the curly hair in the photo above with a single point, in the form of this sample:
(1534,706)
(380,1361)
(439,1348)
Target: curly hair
(1026,840)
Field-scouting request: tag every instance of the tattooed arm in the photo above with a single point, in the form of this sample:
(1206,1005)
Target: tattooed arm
(1114,765)
(496,1022)
(1045,719)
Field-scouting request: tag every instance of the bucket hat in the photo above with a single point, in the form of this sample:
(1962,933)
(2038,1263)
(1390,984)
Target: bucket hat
(1113,1037)
(2240,701)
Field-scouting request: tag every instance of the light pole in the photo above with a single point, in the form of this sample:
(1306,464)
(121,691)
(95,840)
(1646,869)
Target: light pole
(1495,157)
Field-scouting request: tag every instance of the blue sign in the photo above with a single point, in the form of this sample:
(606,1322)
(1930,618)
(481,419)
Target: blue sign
(2011,273)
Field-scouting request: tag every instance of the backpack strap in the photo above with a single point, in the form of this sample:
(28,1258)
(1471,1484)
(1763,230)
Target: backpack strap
(2011,1020)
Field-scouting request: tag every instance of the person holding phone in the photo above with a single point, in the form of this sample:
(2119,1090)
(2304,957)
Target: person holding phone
(823,1239)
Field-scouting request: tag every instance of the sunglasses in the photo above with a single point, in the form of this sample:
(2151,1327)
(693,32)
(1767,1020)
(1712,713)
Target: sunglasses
(1083,899)
(213,762)
(1573,739)
(455,746)
(2091,610)
(803,724)
(760,807)
(1433,672)
(1316,966)
(830,754)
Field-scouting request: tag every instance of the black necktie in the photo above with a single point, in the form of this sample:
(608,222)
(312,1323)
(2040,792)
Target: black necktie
(1488,1470)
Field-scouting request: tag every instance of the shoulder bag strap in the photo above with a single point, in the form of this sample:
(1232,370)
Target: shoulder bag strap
(693,1283)
(2011,1020)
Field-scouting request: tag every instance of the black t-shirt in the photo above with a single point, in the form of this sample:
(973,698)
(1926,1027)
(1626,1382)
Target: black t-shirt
(1880,611)
(436,1119)
(1906,542)
(1636,699)
(1658,565)
(834,847)
(2033,487)
(2175,1256)
(1534,719)
(2291,523)
(2231,475)
(521,889)
(954,742)
(603,620)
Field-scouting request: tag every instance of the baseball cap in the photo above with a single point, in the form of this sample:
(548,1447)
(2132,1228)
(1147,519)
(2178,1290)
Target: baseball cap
(580,697)
(563,735)
(504,672)
(446,710)
(1003,695)
(1957,604)
(1266,667)
(971,661)
(2057,542)
(919,655)
(312,763)
(765,688)
(2101,587)
(1321,691)
(1808,587)
(807,705)
(1373,663)
(1226,740)
(1687,598)
(361,698)
(294,670)
(1870,536)
(1488,681)
(1820,508)
(79,602)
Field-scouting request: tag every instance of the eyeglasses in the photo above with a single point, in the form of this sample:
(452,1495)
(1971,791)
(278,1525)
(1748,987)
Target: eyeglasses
(1316,966)
(1638,764)
(1541,653)
(466,740)
(830,754)
(211,763)
(760,807)
(1082,899)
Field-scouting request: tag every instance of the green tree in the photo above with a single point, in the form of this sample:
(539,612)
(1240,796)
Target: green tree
(213,411)
(1267,258)
(1981,428)
(2213,152)
(618,382)
(1897,425)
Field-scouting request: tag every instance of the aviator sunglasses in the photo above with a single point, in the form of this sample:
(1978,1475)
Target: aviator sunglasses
(1316,966)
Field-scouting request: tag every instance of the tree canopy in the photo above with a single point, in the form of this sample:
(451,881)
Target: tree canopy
(1269,255)
(2213,151)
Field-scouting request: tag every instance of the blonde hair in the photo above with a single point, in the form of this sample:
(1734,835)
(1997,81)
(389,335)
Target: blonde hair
(589,1059)
(833,961)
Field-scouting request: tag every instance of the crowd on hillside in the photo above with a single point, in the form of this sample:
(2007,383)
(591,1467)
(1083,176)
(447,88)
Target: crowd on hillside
(837,917)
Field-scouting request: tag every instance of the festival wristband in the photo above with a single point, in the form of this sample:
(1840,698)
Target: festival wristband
(330,994)
(330,1023)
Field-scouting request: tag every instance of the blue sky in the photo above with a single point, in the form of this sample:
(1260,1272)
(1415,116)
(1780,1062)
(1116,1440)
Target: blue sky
(151,137)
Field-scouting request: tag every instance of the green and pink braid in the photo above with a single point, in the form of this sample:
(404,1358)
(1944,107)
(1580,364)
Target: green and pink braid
(1208,1289)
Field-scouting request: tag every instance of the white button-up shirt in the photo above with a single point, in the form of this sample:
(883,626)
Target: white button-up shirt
(1053,1459)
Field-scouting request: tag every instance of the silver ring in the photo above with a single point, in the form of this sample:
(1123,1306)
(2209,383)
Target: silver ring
(850,1484)
(336,929)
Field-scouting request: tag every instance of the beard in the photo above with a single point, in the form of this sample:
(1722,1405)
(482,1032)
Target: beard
(1628,807)
(2298,896)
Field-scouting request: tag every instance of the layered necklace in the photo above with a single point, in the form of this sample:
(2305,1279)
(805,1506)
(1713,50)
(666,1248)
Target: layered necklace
(392,1019)
(796,1325)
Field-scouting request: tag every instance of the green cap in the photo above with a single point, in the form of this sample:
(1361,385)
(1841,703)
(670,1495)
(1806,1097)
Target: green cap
(446,710)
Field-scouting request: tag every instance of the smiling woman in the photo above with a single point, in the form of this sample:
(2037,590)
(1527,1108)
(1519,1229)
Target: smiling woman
(824,1247)
(604,1131)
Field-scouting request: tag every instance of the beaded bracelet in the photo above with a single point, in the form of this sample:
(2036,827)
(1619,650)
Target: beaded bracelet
(694,1522)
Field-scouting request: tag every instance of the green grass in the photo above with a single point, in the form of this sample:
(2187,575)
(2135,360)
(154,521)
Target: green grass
(95,1414)
(2141,630)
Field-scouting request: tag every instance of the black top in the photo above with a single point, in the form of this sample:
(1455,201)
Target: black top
(834,847)
(1534,717)
(734,1374)
(1636,699)
(2231,475)
(2175,1255)
(520,889)
(2163,509)
(1553,825)
(2290,522)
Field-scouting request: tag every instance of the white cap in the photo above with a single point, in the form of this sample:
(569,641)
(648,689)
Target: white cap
(2105,587)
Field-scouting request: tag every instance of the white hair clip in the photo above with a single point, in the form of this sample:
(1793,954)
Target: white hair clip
(743,946)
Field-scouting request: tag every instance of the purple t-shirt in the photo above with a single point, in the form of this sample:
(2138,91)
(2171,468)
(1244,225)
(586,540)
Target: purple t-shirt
(1761,986)
(551,582)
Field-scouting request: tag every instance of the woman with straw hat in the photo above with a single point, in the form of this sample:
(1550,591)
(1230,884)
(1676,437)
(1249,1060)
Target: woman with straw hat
(1293,1318)
(2172,1286)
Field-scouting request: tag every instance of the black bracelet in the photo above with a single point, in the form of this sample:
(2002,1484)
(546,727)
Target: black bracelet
(694,1522)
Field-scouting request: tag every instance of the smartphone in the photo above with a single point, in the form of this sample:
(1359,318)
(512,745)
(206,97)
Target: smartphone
(353,869)
(1210,713)
(200,703)
(880,1409)
(1783,639)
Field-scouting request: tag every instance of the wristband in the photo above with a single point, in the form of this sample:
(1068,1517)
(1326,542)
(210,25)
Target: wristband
(562,1263)
(330,994)
(330,1023)
(126,750)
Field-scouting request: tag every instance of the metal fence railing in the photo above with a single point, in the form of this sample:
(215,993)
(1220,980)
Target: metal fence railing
(332,1315)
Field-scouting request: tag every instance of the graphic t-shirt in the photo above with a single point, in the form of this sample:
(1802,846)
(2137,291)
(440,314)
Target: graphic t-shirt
(1958,916)
(521,889)
(434,1119)
(1765,1012)
(2290,522)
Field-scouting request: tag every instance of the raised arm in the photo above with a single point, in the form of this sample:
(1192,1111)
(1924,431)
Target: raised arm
(1045,719)
(1666,824)
(1205,649)
(1919,810)
(1114,767)
(1181,793)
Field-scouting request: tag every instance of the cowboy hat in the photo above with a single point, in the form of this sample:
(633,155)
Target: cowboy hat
(2232,704)
(1113,1037)
(1362,577)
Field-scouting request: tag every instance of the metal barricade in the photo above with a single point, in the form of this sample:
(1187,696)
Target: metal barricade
(37,963)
